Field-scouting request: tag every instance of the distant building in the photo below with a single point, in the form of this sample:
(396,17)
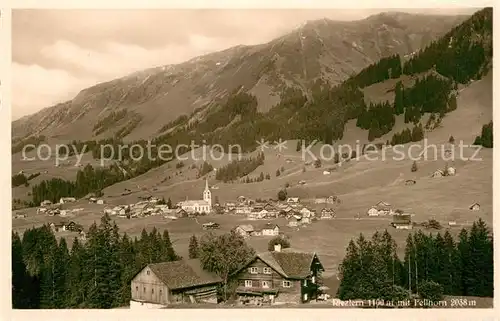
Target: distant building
(293,200)
(185,281)
(270,229)
(199,206)
(451,171)
(64,200)
(244,230)
(327,213)
(402,221)
(46,203)
(438,173)
(410,182)
(474,207)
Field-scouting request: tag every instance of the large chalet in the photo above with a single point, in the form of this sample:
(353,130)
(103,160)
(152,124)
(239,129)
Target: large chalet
(280,276)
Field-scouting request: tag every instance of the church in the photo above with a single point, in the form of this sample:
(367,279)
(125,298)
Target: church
(200,206)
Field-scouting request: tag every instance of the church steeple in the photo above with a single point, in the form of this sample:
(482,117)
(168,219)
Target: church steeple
(207,194)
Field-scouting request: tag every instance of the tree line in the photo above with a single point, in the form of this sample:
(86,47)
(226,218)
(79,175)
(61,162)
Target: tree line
(433,266)
(486,138)
(46,274)
(239,168)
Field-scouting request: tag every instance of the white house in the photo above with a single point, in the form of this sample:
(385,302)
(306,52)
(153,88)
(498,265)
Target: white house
(67,200)
(270,230)
(46,203)
(373,211)
(451,171)
(200,206)
(292,200)
(100,202)
(326,173)
(438,173)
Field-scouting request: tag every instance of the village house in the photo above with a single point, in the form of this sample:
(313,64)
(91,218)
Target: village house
(293,200)
(281,276)
(58,227)
(230,206)
(451,171)
(45,203)
(257,214)
(161,284)
(241,199)
(243,210)
(327,213)
(438,173)
(100,201)
(381,208)
(92,200)
(41,210)
(64,200)
(474,207)
(269,229)
(402,222)
(295,220)
(20,216)
(326,173)
(245,230)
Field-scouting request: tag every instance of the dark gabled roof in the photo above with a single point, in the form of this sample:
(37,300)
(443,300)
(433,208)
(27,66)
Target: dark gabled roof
(183,274)
(289,264)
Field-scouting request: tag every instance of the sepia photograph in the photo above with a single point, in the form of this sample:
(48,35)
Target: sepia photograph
(252,158)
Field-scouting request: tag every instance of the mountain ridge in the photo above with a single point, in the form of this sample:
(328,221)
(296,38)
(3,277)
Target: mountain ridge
(317,49)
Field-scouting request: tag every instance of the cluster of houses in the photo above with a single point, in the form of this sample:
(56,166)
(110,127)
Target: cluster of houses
(295,212)
(449,171)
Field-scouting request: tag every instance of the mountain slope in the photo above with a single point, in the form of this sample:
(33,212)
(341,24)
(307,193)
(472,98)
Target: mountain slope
(326,49)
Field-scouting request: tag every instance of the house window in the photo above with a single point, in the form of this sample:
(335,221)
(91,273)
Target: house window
(136,289)
(267,270)
(147,272)
(254,270)
(160,292)
(265,284)
(305,282)
(313,279)
(287,284)
(152,291)
(144,290)
(248,283)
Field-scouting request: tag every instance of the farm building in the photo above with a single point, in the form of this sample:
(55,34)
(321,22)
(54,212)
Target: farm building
(294,220)
(293,200)
(246,230)
(438,173)
(474,207)
(269,229)
(64,200)
(46,203)
(161,284)
(402,221)
(327,213)
(451,171)
(279,277)
(410,182)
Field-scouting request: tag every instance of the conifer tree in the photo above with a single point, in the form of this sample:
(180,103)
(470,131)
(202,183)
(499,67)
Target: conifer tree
(193,247)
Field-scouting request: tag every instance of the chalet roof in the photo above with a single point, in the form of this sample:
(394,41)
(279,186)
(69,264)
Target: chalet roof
(290,264)
(470,207)
(401,219)
(183,274)
(246,228)
(267,226)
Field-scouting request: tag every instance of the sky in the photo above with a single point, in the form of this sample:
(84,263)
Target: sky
(57,53)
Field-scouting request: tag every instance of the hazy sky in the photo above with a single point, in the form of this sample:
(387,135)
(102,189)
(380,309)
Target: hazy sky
(57,53)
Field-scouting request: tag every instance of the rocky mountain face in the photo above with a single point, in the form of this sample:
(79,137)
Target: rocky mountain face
(326,49)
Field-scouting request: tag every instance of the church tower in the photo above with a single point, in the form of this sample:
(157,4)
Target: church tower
(207,195)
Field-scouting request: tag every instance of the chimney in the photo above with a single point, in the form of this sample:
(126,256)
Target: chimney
(277,247)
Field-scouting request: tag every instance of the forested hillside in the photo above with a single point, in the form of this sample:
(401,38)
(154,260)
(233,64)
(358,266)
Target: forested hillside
(462,55)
